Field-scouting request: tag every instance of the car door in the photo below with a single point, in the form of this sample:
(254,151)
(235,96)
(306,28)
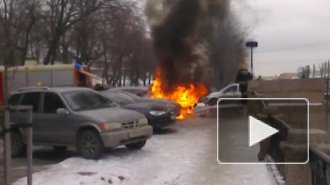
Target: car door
(33,99)
(56,127)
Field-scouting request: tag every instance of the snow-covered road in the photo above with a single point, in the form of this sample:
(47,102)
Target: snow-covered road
(184,156)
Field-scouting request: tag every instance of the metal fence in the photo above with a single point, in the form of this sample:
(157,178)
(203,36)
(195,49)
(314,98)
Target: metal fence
(275,151)
(327,93)
(320,163)
(5,129)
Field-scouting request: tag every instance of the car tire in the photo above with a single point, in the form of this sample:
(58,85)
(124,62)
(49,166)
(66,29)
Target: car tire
(137,145)
(59,148)
(90,144)
(18,147)
(213,101)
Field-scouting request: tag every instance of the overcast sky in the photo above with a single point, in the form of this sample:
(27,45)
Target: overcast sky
(291,33)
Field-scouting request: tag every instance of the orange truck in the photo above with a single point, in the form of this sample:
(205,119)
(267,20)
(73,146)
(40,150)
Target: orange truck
(48,75)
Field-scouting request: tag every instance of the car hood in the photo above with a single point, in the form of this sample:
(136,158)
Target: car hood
(147,106)
(170,105)
(109,115)
(160,101)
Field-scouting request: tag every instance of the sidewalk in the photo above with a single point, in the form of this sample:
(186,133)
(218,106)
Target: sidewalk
(17,172)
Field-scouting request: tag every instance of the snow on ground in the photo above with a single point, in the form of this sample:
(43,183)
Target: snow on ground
(178,158)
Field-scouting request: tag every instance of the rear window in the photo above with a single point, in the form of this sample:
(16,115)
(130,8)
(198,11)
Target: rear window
(14,99)
(33,99)
(120,98)
(231,89)
(138,92)
(131,95)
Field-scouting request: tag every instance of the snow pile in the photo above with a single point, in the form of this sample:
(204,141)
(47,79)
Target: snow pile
(164,160)
(185,157)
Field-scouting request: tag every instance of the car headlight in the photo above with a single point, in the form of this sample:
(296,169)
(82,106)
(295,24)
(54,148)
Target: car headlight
(143,122)
(157,113)
(110,126)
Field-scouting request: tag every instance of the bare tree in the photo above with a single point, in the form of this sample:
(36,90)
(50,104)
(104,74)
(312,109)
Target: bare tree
(61,16)
(23,24)
(109,34)
(6,20)
(226,39)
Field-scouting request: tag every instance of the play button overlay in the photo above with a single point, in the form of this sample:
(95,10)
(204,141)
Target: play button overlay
(264,130)
(259,131)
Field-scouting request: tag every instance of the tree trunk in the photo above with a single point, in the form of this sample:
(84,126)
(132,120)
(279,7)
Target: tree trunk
(27,40)
(51,54)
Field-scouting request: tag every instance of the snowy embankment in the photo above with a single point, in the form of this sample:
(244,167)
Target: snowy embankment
(171,158)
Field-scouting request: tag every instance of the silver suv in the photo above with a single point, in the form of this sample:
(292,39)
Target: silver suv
(79,117)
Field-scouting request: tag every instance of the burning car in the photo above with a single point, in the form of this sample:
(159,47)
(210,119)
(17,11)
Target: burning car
(185,95)
(158,115)
(168,103)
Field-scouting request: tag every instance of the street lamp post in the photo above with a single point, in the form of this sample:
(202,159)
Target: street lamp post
(251,44)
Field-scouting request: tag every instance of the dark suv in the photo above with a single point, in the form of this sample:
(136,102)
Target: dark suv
(80,117)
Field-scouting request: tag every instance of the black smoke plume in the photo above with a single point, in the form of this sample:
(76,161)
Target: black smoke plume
(173,44)
(195,41)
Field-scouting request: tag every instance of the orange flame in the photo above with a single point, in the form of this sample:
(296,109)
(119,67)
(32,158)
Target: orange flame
(186,95)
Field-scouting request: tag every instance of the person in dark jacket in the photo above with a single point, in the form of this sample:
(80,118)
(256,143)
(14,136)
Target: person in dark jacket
(242,78)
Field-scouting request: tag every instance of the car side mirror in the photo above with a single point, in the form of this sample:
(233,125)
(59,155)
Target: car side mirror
(62,111)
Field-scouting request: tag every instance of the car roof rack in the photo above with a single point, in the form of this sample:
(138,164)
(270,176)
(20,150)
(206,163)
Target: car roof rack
(33,87)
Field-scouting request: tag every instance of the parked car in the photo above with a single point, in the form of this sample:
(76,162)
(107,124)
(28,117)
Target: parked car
(230,91)
(142,92)
(158,115)
(170,104)
(79,117)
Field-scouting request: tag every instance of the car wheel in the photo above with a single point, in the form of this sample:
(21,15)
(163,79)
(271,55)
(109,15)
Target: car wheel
(213,101)
(59,148)
(90,145)
(137,145)
(18,147)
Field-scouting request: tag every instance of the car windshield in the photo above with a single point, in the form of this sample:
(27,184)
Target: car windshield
(86,100)
(120,98)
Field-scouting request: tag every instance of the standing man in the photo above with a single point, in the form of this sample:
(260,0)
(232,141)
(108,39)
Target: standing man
(242,78)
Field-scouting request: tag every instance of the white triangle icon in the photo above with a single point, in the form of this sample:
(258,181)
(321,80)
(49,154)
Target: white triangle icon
(259,131)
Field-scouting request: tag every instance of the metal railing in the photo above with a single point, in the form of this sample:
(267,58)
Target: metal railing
(276,122)
(320,163)
(6,128)
(275,150)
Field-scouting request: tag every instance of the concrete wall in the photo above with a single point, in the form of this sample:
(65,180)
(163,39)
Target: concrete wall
(311,89)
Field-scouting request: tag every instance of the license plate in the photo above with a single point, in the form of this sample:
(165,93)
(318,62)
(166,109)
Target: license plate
(135,133)
(172,117)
